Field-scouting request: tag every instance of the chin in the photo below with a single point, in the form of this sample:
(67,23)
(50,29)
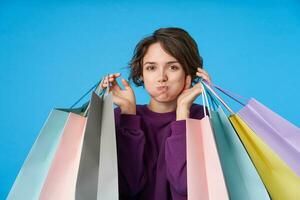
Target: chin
(164,99)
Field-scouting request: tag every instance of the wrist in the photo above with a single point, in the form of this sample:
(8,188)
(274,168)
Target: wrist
(128,110)
(182,113)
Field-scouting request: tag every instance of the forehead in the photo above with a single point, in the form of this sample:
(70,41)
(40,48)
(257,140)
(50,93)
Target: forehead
(156,54)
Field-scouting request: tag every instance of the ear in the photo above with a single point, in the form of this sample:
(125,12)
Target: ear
(188,82)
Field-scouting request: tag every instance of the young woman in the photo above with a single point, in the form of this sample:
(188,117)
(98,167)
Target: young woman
(151,138)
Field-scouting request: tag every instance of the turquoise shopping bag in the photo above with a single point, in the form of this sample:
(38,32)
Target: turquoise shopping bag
(242,179)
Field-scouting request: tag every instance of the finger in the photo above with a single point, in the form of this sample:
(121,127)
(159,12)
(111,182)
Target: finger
(201,74)
(107,83)
(112,77)
(116,75)
(115,85)
(202,71)
(126,84)
(198,89)
(204,76)
(117,99)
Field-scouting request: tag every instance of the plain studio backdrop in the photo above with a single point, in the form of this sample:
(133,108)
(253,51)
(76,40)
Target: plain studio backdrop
(53,52)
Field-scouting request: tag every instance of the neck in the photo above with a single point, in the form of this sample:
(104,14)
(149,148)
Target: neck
(162,107)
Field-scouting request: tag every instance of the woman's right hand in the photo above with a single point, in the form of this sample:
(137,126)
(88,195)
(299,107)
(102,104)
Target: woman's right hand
(124,98)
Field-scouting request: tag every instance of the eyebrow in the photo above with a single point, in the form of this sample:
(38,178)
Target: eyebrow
(170,62)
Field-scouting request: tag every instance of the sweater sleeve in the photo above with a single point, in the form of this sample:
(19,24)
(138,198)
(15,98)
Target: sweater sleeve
(130,149)
(175,154)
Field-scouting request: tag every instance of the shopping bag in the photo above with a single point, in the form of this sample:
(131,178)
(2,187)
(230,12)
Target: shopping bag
(108,166)
(98,169)
(30,179)
(280,181)
(33,173)
(87,178)
(242,179)
(61,179)
(205,178)
(282,136)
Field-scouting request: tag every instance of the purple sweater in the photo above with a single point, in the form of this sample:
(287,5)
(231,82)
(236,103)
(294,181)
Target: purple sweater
(152,154)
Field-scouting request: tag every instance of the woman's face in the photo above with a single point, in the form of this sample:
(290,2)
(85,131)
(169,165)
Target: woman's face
(163,75)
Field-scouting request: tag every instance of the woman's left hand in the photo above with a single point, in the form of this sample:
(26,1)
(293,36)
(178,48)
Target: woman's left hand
(189,94)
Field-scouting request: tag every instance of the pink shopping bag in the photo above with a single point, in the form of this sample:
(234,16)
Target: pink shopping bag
(205,179)
(60,183)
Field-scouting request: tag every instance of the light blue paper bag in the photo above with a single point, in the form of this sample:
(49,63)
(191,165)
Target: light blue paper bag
(30,179)
(242,179)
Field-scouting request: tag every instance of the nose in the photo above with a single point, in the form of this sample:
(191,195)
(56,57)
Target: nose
(162,76)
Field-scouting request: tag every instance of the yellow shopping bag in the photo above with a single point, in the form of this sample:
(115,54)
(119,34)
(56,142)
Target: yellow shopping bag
(281,182)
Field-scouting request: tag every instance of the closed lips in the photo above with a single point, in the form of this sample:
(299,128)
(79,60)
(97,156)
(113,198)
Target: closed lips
(162,87)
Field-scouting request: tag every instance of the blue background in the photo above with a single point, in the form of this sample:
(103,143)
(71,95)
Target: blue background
(51,53)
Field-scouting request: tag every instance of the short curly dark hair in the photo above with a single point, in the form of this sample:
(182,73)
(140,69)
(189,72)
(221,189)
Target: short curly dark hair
(177,42)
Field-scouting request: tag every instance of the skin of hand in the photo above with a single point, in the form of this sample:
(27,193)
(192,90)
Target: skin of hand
(189,94)
(124,98)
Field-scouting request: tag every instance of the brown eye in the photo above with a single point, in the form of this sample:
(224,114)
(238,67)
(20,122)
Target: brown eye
(149,68)
(174,67)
